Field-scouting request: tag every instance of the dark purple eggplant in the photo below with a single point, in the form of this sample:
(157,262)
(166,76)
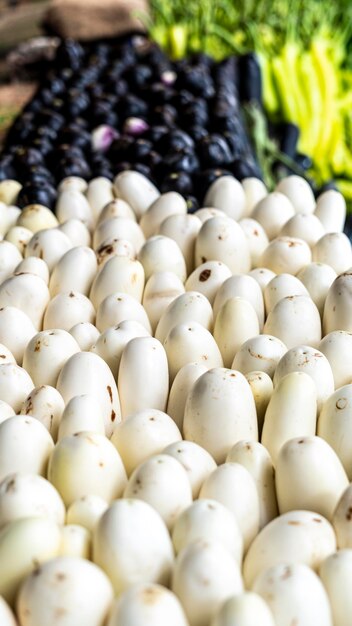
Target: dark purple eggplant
(250,79)
(177,181)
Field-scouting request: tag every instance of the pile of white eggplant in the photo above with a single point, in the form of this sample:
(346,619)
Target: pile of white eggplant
(175,407)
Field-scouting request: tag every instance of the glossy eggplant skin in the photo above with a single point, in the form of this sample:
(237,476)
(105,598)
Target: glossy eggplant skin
(189,129)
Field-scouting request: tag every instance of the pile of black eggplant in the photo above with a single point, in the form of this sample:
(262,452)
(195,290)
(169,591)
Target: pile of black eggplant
(109,106)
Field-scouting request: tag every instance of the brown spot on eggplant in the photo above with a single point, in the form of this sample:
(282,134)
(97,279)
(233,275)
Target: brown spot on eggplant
(113,416)
(109,392)
(341,403)
(204,275)
(349,514)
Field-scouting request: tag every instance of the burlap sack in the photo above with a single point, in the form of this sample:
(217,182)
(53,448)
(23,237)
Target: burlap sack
(94,19)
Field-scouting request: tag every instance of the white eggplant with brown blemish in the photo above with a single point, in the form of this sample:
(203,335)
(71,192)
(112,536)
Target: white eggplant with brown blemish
(98,381)
(257,239)
(45,404)
(143,378)
(295,537)
(197,462)
(86,511)
(73,204)
(6,355)
(337,309)
(304,226)
(16,329)
(136,190)
(27,292)
(335,250)
(294,593)
(147,605)
(36,217)
(262,275)
(162,254)
(208,520)
(119,228)
(207,278)
(227,194)
(204,577)
(317,278)
(272,212)
(190,342)
(86,335)
(335,573)
(75,271)
(282,286)
(81,413)
(170,203)
(116,208)
(111,343)
(256,459)
(113,246)
(46,354)
(86,463)
(15,385)
(247,609)
(235,323)
(65,586)
(334,425)
(118,274)
(222,239)
(220,411)
(337,347)
(242,286)
(19,237)
(50,245)
(309,476)
(342,518)
(233,486)
(143,434)
(190,306)
(25,544)
(142,556)
(67,309)
(296,321)
(19,436)
(119,307)
(29,495)
(162,482)
(160,290)
(331,210)
(33,265)
(286,255)
(261,353)
(181,386)
(262,389)
(291,412)
(312,362)
(299,192)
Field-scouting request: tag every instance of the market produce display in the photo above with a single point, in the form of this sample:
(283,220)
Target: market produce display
(176,362)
